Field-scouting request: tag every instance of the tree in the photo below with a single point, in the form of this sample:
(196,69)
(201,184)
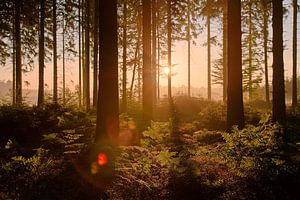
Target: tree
(235,110)
(96,47)
(279,112)
(79,52)
(108,95)
(124,69)
(295,10)
(154,41)
(225,66)
(252,46)
(266,15)
(147,70)
(17,36)
(189,47)
(54,52)
(41,53)
(169,36)
(86,69)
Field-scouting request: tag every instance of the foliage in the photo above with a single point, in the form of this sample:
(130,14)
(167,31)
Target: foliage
(26,172)
(156,134)
(212,117)
(52,126)
(256,148)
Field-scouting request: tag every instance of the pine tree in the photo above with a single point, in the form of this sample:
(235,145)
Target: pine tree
(235,110)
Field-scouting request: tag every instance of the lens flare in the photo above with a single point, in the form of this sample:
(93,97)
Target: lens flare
(102,159)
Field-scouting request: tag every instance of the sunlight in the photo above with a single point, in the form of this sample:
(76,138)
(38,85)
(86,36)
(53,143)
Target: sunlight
(166,70)
(102,159)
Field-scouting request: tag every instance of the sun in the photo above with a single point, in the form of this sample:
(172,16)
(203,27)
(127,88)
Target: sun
(167,70)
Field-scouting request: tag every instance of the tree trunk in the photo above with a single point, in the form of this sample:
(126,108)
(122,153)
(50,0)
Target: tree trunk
(235,110)
(158,63)
(17,37)
(86,71)
(189,48)
(54,53)
(96,47)
(64,64)
(79,52)
(250,53)
(124,70)
(154,3)
(279,112)
(41,53)
(208,59)
(265,31)
(136,57)
(169,38)
(108,96)
(225,66)
(294,96)
(147,70)
(14,65)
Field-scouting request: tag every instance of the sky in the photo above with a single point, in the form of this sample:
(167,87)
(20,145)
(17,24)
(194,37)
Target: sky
(179,59)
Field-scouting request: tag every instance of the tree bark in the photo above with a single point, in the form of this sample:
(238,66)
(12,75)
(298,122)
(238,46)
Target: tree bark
(154,2)
(225,64)
(86,73)
(124,70)
(169,43)
(64,64)
(279,112)
(208,58)
(80,53)
(17,37)
(96,47)
(265,31)
(41,53)
(235,110)
(147,69)
(294,95)
(189,48)
(108,96)
(54,52)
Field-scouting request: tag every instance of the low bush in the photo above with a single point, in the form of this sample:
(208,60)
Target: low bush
(256,148)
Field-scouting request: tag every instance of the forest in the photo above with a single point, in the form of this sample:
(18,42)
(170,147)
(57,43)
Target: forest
(94,105)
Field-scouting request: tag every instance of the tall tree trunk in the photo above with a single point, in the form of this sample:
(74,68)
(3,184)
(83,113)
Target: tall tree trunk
(154,19)
(64,62)
(208,58)
(80,53)
(17,36)
(265,31)
(279,112)
(235,109)
(225,65)
(108,95)
(41,53)
(96,47)
(124,69)
(250,52)
(54,52)
(136,57)
(147,70)
(86,73)
(158,60)
(295,10)
(169,43)
(14,65)
(189,48)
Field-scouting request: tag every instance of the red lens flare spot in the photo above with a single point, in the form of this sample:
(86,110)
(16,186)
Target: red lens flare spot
(102,159)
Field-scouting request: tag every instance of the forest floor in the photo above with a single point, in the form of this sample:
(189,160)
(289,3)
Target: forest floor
(49,154)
